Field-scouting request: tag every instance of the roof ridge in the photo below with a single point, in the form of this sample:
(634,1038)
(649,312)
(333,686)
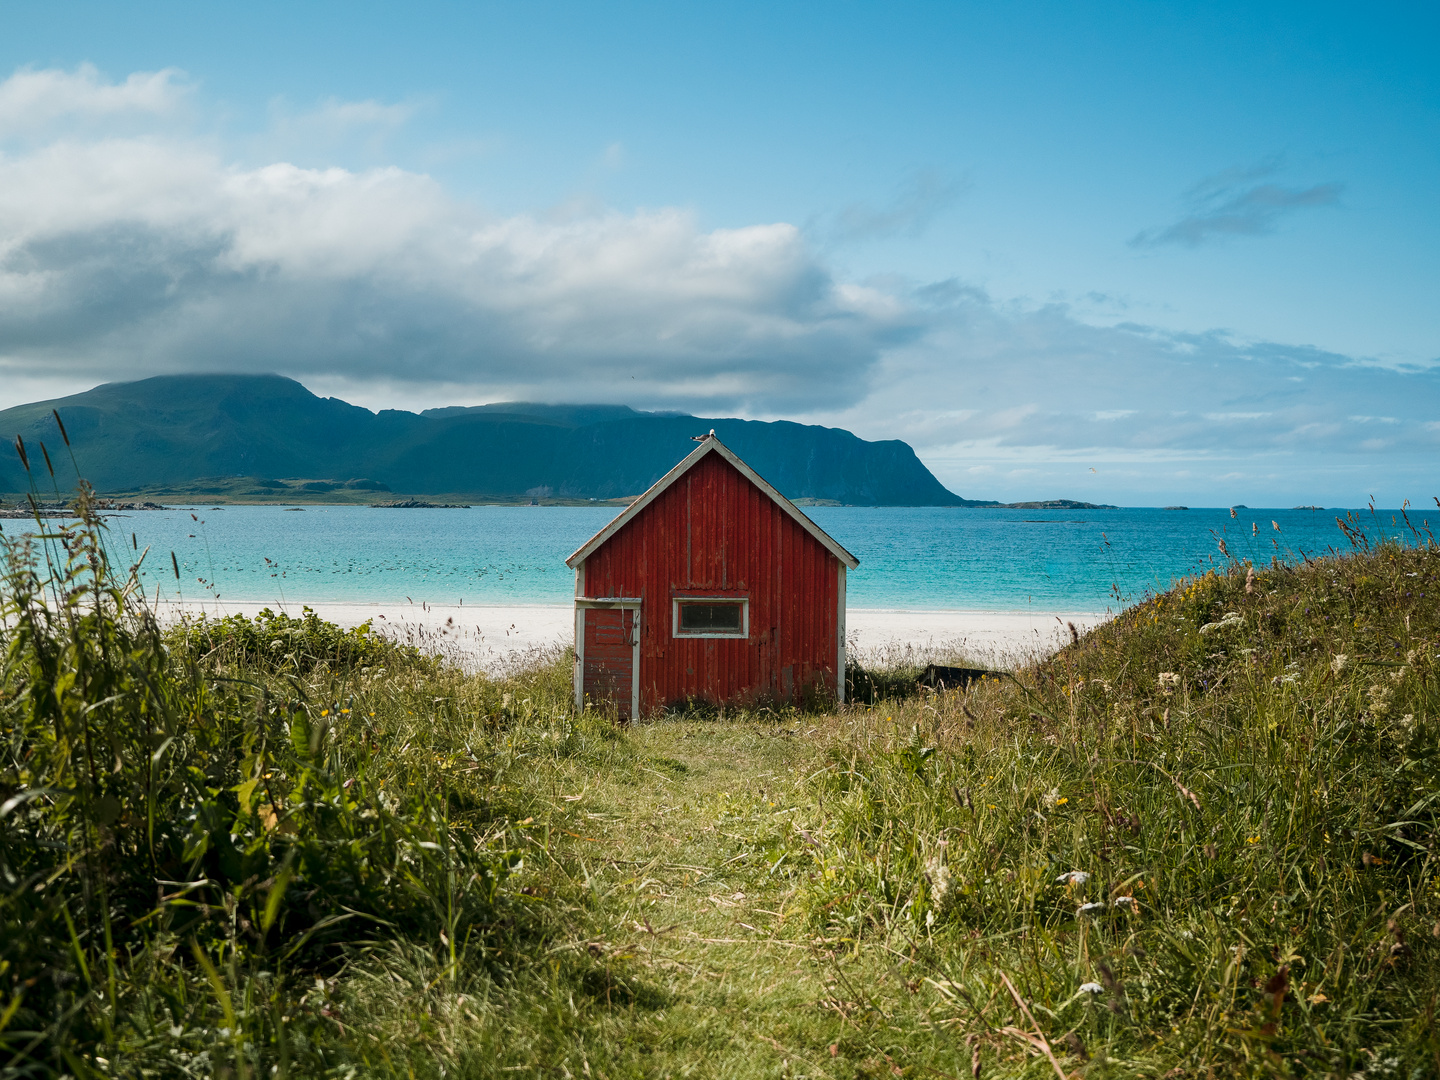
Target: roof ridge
(710,443)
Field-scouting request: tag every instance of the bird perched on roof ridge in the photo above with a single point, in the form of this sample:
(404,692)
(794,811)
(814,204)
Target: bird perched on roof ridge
(702,438)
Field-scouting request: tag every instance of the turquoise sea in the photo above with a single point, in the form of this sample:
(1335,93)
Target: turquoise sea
(910,558)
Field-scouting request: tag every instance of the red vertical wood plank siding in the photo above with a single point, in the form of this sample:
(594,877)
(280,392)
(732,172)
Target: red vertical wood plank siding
(713,532)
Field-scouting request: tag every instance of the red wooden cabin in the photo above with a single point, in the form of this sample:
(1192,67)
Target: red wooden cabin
(712,585)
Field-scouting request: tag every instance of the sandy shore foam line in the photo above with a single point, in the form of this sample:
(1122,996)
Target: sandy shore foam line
(490,637)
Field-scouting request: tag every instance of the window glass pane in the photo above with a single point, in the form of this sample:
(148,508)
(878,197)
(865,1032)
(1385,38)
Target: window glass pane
(710,617)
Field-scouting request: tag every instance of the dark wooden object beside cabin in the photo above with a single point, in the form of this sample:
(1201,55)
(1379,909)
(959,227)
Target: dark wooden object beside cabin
(711,586)
(942,677)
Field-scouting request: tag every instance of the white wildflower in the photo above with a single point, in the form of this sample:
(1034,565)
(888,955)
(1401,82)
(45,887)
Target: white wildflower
(1124,901)
(1379,700)
(1050,798)
(1091,988)
(1231,619)
(938,874)
(1404,728)
(1337,665)
(1091,908)
(1073,877)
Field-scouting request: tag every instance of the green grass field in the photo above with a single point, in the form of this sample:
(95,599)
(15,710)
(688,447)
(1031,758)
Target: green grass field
(1201,841)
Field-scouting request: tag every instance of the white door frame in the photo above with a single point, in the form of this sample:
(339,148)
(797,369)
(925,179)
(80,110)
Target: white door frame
(840,638)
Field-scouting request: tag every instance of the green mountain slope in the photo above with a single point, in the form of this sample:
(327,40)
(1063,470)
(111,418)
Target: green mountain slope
(174,430)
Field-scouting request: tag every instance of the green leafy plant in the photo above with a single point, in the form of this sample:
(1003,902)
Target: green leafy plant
(284,643)
(162,827)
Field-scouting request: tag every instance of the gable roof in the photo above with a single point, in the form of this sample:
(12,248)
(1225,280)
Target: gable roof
(710,445)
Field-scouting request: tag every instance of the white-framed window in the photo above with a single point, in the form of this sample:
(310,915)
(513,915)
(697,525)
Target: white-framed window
(711,616)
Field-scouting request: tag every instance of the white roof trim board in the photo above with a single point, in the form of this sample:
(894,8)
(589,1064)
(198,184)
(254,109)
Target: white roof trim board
(710,445)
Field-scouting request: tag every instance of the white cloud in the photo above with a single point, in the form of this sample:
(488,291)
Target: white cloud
(922,198)
(1232,203)
(337,115)
(1038,389)
(131,255)
(318,134)
(35,100)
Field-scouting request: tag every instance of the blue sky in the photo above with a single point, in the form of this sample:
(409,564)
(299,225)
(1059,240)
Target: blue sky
(1130,252)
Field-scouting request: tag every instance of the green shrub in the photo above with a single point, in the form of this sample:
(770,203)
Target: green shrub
(282,642)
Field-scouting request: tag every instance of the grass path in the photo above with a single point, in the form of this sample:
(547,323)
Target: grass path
(717,973)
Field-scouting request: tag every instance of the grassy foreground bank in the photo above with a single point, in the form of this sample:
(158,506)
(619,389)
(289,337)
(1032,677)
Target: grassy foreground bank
(1198,842)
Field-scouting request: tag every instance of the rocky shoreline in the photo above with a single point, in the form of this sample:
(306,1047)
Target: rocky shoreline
(59,510)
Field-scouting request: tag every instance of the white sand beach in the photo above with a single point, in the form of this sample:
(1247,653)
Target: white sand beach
(489,637)
(993,638)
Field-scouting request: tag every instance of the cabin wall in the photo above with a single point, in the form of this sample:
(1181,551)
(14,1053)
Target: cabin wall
(715,533)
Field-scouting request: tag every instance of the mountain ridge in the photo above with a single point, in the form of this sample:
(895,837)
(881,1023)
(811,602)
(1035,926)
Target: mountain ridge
(172,430)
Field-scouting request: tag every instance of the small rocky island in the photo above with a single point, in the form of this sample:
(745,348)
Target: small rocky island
(418,504)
